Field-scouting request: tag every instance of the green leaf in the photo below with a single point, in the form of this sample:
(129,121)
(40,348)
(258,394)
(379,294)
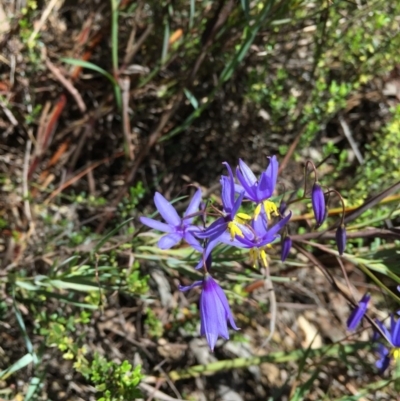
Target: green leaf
(21,363)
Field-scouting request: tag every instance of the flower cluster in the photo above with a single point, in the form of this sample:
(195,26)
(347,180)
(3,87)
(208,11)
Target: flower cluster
(254,231)
(386,352)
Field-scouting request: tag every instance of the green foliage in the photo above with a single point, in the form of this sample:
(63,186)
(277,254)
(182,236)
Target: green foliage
(380,168)
(128,206)
(154,325)
(115,382)
(136,283)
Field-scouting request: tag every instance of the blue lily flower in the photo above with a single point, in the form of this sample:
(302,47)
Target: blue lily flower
(230,207)
(214,310)
(384,358)
(393,337)
(260,236)
(358,313)
(177,228)
(259,190)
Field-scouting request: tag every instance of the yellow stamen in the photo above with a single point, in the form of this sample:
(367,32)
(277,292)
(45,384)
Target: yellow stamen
(254,256)
(242,218)
(234,230)
(395,353)
(263,256)
(270,208)
(259,253)
(257,211)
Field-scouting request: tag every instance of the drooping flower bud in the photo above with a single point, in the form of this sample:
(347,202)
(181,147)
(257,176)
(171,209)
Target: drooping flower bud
(285,249)
(341,239)
(318,203)
(358,313)
(282,208)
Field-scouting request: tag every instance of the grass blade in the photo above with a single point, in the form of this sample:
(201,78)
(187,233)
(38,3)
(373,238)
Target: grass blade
(94,67)
(21,363)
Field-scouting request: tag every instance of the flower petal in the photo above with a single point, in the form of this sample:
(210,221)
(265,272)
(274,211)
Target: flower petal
(237,205)
(358,313)
(193,207)
(271,235)
(278,226)
(224,302)
(272,171)
(265,188)
(157,225)
(166,210)
(169,240)
(226,194)
(189,287)
(385,331)
(384,358)
(247,174)
(212,314)
(395,332)
(192,241)
(215,230)
(249,190)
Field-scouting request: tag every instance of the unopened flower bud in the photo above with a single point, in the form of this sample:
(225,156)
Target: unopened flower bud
(282,208)
(341,239)
(286,245)
(358,313)
(318,203)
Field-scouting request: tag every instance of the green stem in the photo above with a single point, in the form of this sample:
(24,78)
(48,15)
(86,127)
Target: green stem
(114,36)
(336,350)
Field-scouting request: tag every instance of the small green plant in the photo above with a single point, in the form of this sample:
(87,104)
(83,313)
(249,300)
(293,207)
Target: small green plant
(115,382)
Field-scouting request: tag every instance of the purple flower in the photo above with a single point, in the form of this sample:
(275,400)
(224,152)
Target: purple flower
(257,237)
(259,190)
(341,239)
(230,206)
(384,358)
(358,313)
(261,235)
(318,203)
(285,249)
(176,228)
(214,311)
(392,335)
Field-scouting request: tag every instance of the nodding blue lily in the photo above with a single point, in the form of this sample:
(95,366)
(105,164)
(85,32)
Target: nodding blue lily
(358,313)
(177,228)
(214,310)
(259,190)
